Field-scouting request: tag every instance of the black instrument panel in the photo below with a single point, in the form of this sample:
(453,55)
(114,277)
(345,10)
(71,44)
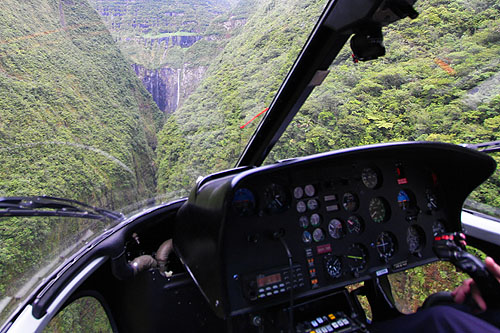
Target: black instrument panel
(343,217)
(342,223)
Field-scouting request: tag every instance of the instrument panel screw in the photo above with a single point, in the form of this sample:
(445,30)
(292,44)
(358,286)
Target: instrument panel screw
(257,321)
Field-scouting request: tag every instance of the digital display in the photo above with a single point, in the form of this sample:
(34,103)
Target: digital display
(263,281)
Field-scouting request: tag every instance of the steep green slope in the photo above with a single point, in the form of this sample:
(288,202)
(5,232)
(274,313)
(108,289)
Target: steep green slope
(424,89)
(438,84)
(204,135)
(74,122)
(171,43)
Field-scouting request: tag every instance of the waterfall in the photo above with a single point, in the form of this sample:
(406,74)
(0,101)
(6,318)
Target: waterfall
(178,87)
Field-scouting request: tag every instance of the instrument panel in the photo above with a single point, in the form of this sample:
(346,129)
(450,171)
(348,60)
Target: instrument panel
(311,225)
(344,222)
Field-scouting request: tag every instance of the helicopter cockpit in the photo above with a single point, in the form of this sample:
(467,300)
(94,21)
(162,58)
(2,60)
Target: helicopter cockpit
(288,245)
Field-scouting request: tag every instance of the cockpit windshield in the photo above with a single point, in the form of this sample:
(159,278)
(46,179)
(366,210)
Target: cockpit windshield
(123,105)
(438,84)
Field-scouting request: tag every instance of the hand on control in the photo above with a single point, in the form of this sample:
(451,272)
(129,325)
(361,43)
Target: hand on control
(469,287)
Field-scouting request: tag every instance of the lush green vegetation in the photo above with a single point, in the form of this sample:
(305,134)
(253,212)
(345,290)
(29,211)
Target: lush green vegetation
(154,33)
(204,135)
(75,124)
(424,89)
(435,84)
(84,315)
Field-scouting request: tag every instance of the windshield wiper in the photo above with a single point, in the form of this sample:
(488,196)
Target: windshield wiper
(52,206)
(485,147)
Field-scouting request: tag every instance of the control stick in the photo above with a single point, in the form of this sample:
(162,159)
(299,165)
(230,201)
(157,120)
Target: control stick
(451,247)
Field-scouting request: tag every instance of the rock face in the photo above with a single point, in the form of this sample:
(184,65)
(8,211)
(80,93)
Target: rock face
(170,86)
(159,37)
(165,42)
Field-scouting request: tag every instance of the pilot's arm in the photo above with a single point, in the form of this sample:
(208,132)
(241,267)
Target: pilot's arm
(444,319)
(469,286)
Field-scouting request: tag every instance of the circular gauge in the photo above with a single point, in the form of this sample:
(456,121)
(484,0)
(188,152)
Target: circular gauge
(306,237)
(315,219)
(333,266)
(378,210)
(385,245)
(304,221)
(312,204)
(276,198)
(350,202)
(415,238)
(318,235)
(244,202)
(370,178)
(354,225)
(298,192)
(356,258)
(301,206)
(404,200)
(335,229)
(438,228)
(310,190)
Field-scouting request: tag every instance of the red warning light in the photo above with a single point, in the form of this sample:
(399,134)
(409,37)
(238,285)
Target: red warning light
(402,181)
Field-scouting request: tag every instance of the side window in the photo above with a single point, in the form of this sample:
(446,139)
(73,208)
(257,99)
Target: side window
(85,314)
(411,287)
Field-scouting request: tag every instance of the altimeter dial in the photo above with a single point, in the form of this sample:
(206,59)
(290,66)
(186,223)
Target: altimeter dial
(276,198)
(333,266)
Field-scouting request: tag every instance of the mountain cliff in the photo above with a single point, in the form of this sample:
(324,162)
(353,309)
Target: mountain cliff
(204,135)
(75,121)
(170,43)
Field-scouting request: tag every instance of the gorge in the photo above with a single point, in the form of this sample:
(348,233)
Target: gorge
(169,44)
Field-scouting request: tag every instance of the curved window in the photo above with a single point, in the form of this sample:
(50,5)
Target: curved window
(85,314)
